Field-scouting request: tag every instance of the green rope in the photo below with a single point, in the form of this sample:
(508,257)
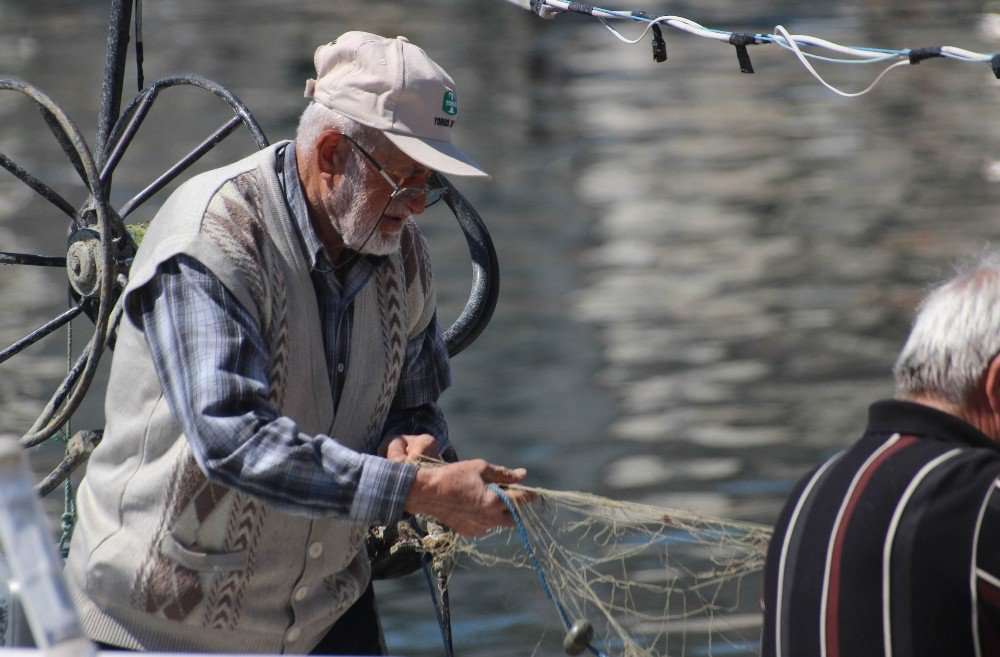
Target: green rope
(68,518)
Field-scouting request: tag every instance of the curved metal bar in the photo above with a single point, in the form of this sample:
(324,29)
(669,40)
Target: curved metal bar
(128,128)
(485,272)
(41,332)
(41,188)
(130,120)
(197,81)
(204,147)
(52,415)
(62,128)
(7,258)
(101,222)
(64,142)
(72,376)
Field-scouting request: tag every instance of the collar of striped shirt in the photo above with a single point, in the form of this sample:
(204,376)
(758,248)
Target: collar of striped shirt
(894,416)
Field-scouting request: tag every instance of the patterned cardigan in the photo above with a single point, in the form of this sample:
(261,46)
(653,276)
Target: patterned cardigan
(162,559)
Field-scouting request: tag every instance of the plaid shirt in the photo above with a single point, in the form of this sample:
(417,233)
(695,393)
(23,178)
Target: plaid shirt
(212,362)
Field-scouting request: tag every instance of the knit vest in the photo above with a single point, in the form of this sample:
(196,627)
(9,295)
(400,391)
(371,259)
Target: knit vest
(161,558)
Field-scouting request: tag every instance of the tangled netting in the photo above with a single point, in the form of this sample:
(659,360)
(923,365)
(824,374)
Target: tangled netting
(651,582)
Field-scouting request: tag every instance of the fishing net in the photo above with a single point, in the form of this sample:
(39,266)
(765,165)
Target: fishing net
(626,579)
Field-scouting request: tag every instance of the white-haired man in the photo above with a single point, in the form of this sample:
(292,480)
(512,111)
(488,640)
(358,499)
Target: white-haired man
(279,364)
(892,547)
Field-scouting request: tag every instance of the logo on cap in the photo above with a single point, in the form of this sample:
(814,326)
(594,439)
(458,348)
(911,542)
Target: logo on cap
(448,104)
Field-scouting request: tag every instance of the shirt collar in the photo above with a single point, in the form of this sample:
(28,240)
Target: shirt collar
(894,416)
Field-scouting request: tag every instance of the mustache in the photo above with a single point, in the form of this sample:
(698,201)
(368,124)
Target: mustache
(398,209)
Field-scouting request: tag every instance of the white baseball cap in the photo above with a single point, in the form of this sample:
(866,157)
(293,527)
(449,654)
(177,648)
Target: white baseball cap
(393,86)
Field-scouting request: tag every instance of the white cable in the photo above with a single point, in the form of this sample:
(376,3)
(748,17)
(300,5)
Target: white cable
(676,22)
(649,26)
(805,39)
(781,38)
(873,58)
(966,54)
(805,62)
(688,25)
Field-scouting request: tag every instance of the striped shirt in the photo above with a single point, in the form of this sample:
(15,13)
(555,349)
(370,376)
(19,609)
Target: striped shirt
(891,547)
(213,363)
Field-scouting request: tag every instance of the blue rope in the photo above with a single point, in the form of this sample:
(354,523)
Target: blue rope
(567,621)
(68,519)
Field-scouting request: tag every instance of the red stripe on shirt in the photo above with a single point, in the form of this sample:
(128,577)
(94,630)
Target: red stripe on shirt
(833,596)
(988,592)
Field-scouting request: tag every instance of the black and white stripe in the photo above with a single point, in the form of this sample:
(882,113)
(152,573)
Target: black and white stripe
(891,547)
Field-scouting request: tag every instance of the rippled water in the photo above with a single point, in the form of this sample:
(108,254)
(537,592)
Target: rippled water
(706,275)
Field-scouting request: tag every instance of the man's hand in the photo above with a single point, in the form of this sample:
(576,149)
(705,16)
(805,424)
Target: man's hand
(456,494)
(409,448)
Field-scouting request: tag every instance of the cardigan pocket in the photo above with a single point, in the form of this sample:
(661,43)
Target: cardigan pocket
(201,561)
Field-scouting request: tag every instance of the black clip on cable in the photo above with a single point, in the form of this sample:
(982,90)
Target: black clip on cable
(580,8)
(659,45)
(741,40)
(918,55)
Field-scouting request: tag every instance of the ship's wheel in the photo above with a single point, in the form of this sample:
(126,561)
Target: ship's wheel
(100,246)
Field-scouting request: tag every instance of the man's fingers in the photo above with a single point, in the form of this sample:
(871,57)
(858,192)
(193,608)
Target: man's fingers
(497,474)
(422,445)
(457,495)
(396,450)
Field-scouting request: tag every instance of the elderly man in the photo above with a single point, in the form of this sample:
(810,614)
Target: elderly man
(277,371)
(892,547)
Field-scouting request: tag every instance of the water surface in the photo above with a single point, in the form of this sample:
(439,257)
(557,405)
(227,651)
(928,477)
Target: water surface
(706,275)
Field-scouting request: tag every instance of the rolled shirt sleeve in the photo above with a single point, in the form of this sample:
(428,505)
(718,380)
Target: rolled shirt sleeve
(212,363)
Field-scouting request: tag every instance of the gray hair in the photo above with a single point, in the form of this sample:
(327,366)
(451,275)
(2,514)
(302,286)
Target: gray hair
(955,335)
(318,118)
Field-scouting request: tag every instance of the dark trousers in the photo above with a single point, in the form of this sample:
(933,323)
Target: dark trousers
(357,632)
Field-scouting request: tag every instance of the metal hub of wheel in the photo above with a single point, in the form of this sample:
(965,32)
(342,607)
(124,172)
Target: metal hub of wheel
(95,253)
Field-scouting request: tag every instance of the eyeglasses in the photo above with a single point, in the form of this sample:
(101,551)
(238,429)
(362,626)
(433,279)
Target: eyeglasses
(431,194)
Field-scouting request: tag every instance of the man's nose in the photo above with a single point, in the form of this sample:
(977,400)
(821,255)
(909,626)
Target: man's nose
(416,202)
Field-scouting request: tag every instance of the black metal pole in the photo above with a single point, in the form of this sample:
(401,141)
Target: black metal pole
(41,332)
(31,259)
(210,142)
(114,73)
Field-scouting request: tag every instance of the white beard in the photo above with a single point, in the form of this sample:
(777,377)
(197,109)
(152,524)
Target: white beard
(350,210)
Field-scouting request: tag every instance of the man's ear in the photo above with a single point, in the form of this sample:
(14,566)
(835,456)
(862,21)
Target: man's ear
(331,153)
(991,383)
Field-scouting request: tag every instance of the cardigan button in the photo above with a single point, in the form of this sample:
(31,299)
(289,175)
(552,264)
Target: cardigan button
(292,634)
(315,550)
(301,593)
